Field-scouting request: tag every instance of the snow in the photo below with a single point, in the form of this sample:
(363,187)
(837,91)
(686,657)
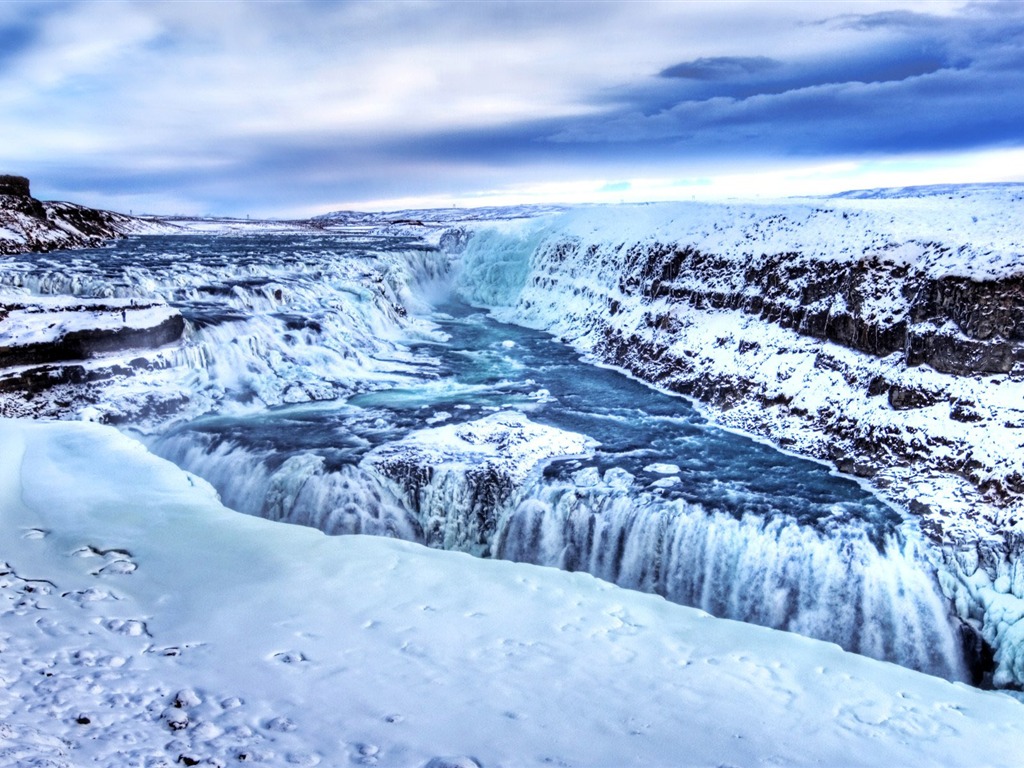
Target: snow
(47,319)
(507,438)
(144,623)
(236,638)
(565,275)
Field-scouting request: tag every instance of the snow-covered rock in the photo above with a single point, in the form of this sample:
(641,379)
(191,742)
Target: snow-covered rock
(57,354)
(26,224)
(456,478)
(35,330)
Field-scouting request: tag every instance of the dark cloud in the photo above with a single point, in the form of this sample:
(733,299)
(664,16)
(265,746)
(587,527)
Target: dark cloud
(930,84)
(720,67)
(16,38)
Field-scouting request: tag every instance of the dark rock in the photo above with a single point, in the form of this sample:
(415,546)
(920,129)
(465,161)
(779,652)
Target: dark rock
(979,655)
(877,386)
(86,343)
(902,398)
(17,186)
(965,412)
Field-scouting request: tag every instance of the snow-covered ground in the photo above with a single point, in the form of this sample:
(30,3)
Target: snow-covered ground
(32,321)
(144,624)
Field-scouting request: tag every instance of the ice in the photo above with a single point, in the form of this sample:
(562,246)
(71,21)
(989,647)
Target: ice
(281,318)
(662,469)
(399,654)
(955,460)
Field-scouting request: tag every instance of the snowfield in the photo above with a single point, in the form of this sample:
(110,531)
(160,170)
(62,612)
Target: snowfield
(145,624)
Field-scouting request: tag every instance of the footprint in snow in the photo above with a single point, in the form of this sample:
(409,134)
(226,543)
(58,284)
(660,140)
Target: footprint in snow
(290,657)
(115,561)
(280,724)
(303,758)
(128,627)
(452,762)
(90,595)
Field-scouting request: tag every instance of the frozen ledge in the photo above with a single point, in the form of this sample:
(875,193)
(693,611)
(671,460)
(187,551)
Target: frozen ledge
(473,468)
(37,330)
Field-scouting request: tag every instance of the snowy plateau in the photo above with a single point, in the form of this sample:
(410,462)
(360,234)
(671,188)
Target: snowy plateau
(472,397)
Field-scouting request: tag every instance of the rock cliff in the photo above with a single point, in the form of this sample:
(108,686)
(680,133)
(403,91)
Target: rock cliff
(58,354)
(27,224)
(884,336)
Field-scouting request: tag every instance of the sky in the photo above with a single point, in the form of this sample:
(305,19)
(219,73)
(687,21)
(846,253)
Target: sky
(296,108)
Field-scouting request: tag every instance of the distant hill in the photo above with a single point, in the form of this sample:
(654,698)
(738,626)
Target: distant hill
(1012,191)
(438,215)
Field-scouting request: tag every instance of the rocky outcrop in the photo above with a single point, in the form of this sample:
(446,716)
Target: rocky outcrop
(16,186)
(93,330)
(874,305)
(29,225)
(455,479)
(896,315)
(57,354)
(886,338)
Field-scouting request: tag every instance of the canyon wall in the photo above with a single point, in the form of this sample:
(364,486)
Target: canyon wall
(883,336)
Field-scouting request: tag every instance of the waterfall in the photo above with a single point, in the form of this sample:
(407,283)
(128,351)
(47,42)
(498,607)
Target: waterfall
(872,596)
(281,321)
(302,489)
(877,601)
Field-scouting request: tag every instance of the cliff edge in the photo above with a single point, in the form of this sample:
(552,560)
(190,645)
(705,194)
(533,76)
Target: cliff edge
(30,225)
(884,335)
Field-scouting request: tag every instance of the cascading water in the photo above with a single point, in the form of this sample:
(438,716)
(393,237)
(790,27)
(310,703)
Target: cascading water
(270,320)
(840,586)
(664,502)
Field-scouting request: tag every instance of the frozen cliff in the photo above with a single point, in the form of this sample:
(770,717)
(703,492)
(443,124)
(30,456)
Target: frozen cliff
(885,335)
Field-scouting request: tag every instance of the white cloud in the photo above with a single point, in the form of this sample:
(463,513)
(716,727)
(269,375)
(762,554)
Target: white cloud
(199,87)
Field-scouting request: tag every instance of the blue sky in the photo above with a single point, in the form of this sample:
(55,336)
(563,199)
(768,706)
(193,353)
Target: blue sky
(295,108)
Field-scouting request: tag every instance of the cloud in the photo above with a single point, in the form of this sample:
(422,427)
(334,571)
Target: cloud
(239,107)
(720,67)
(912,82)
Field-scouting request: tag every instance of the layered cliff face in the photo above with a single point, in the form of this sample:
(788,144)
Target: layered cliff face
(60,354)
(885,336)
(29,225)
